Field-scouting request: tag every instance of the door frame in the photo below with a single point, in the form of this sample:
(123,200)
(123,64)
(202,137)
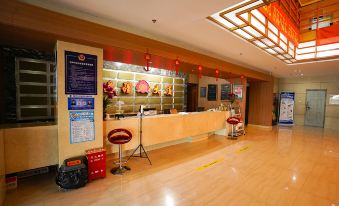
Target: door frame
(324,105)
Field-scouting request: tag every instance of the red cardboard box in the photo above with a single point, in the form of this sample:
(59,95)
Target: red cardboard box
(96,163)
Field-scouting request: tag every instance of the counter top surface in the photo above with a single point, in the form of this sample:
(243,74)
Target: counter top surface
(165,115)
(22,125)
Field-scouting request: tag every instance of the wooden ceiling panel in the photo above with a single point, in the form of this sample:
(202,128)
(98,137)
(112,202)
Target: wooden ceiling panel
(307,2)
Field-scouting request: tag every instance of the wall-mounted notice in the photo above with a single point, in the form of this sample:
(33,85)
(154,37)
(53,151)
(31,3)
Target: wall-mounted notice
(82,126)
(226,90)
(80,103)
(80,73)
(334,99)
(202,91)
(238,90)
(212,92)
(286,108)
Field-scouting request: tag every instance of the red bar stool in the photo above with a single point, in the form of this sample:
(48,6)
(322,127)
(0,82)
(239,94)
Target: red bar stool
(119,136)
(233,121)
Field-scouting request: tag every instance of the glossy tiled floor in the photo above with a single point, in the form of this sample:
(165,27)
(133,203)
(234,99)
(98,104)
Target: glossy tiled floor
(298,166)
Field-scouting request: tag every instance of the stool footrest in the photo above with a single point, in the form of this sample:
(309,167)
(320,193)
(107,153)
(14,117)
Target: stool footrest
(120,170)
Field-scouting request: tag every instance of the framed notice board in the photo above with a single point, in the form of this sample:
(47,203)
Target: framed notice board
(225,91)
(212,92)
(203,92)
(80,73)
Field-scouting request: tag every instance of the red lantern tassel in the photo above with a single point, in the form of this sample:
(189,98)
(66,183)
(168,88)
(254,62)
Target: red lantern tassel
(147,58)
(200,70)
(177,66)
(216,74)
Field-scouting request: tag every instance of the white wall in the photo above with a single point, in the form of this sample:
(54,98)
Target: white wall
(299,86)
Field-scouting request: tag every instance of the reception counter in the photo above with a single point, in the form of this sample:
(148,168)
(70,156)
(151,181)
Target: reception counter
(168,129)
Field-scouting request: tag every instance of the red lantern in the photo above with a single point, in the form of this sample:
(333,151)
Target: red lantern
(177,66)
(199,70)
(242,77)
(147,58)
(216,74)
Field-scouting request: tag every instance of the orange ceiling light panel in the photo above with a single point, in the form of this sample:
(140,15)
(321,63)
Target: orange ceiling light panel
(270,28)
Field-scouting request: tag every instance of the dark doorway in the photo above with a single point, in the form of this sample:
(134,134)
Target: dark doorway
(247,104)
(192,97)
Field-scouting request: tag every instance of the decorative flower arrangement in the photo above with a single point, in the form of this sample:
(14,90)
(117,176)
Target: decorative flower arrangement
(109,93)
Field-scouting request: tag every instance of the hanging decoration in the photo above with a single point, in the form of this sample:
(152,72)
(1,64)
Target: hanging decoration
(126,87)
(177,66)
(147,58)
(216,74)
(242,78)
(142,87)
(231,81)
(168,90)
(199,71)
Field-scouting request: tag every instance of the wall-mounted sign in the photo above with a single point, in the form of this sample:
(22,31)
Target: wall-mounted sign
(202,91)
(212,92)
(80,103)
(80,73)
(225,91)
(82,126)
(278,17)
(334,99)
(238,91)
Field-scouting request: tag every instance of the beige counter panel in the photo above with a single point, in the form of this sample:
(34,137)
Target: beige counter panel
(30,147)
(160,129)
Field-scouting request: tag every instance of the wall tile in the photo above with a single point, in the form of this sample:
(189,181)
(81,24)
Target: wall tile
(167,80)
(332,111)
(127,76)
(332,123)
(109,74)
(299,119)
(148,77)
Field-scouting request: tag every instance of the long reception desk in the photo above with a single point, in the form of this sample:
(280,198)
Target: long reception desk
(168,129)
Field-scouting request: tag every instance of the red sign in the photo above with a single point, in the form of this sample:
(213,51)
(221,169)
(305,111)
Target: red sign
(233,120)
(278,17)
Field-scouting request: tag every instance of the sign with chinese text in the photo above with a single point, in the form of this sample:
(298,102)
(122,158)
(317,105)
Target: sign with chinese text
(82,126)
(80,103)
(80,73)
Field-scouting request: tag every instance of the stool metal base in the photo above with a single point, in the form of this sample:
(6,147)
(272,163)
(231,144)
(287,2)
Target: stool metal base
(120,170)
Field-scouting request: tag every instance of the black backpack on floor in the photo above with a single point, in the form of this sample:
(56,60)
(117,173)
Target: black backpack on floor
(73,173)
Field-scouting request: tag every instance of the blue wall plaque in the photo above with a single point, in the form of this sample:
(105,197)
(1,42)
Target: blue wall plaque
(80,73)
(80,103)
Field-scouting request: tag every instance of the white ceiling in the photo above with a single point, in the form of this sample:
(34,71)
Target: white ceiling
(183,23)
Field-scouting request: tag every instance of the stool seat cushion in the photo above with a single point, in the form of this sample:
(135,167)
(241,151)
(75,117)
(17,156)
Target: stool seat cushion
(119,139)
(119,136)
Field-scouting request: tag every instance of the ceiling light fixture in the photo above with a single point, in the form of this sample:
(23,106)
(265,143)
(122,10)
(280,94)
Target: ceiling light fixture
(264,24)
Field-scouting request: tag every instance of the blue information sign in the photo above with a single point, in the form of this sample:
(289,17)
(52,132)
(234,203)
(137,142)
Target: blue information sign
(80,73)
(80,103)
(82,126)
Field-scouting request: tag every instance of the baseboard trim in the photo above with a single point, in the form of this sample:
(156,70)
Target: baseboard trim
(260,126)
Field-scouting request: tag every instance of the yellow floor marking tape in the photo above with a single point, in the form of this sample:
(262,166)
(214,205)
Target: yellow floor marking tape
(209,164)
(242,149)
